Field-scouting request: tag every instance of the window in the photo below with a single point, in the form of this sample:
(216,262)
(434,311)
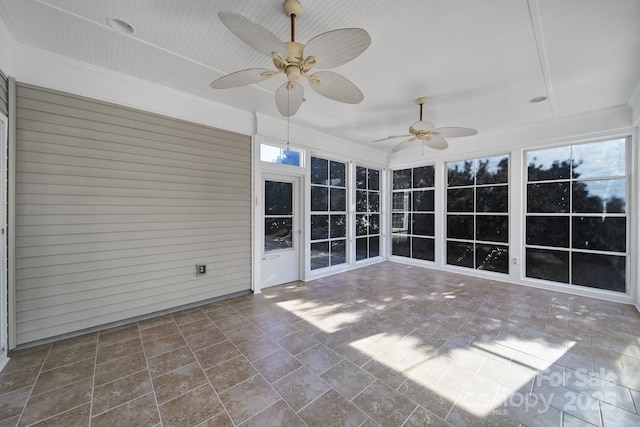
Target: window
(576,217)
(328,213)
(478,214)
(278,215)
(367,213)
(412,214)
(280,155)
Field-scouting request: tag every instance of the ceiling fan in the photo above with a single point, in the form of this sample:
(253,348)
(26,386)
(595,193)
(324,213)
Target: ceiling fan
(427,133)
(327,50)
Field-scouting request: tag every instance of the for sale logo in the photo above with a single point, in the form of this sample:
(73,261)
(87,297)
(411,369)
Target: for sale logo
(578,390)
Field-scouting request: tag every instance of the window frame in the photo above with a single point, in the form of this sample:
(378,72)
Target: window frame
(473,213)
(570,249)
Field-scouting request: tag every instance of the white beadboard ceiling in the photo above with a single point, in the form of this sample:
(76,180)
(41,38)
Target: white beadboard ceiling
(477,62)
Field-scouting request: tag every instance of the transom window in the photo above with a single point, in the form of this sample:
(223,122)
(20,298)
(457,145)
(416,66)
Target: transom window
(576,217)
(281,155)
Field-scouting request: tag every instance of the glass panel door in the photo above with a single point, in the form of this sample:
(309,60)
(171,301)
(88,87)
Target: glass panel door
(281,255)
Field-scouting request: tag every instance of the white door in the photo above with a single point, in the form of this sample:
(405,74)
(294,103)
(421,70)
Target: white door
(282,235)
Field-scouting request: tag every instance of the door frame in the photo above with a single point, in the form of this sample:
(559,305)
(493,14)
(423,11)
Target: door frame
(4,286)
(298,187)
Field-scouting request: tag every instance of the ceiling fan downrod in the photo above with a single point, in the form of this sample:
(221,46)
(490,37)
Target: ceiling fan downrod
(421,101)
(292,8)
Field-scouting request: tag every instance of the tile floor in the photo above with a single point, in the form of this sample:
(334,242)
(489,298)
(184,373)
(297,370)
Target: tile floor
(386,345)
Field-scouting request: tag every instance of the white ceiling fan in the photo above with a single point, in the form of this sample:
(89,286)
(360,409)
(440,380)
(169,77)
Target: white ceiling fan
(427,133)
(327,50)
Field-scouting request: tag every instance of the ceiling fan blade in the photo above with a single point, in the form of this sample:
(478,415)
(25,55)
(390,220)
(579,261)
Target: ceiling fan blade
(241,78)
(450,132)
(437,142)
(402,145)
(288,100)
(256,36)
(338,47)
(336,87)
(392,137)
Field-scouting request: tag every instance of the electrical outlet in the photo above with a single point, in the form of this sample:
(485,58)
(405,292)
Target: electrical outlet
(201,269)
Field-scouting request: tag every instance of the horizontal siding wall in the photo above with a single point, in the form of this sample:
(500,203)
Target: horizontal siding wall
(115,207)
(4,94)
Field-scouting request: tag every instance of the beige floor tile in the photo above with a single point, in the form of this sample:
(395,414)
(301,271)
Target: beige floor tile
(431,394)
(389,375)
(75,417)
(70,353)
(449,343)
(636,399)
(118,368)
(347,379)
(195,327)
(569,420)
(319,358)
(74,343)
(205,339)
(140,412)
(278,414)
(243,333)
(278,330)
(276,365)
(421,417)
(219,420)
(119,349)
(115,393)
(230,373)
(512,376)
(600,389)
(231,322)
(191,409)
(297,342)
(63,375)
(385,405)
(332,409)
(12,403)
(17,379)
(57,401)
(117,334)
(258,347)
(159,331)
(354,355)
(178,382)
(300,387)
(170,360)
(164,344)
(613,416)
(248,398)
(33,360)
(219,312)
(217,354)
(155,321)
(188,316)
